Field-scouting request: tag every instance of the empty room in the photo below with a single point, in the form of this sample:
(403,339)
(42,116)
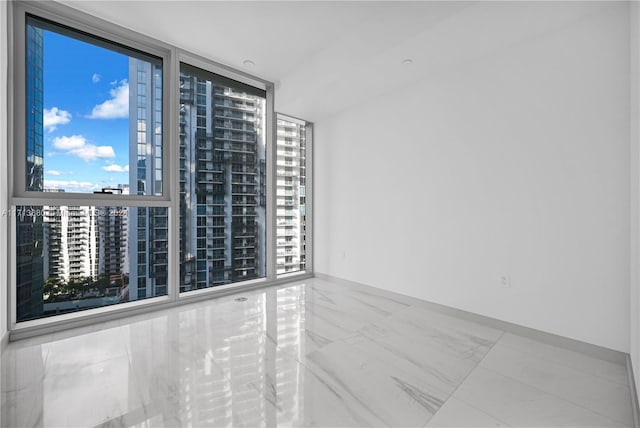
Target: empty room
(319,213)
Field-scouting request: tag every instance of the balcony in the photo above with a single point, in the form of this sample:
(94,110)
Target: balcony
(245,247)
(241,224)
(225,127)
(218,234)
(245,214)
(244,256)
(223,113)
(186,96)
(228,104)
(240,267)
(247,233)
(210,179)
(236,138)
(285,243)
(244,202)
(247,171)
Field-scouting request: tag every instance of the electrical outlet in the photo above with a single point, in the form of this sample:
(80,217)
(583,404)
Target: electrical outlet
(505,281)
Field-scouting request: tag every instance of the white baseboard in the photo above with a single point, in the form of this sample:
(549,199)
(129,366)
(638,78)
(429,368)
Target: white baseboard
(634,394)
(590,349)
(541,336)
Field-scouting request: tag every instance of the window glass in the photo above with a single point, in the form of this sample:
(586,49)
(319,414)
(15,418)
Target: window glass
(71,258)
(222,181)
(290,196)
(93,125)
(93,114)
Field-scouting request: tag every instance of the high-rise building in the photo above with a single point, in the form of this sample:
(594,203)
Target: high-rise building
(113,233)
(290,196)
(71,242)
(148,226)
(35,108)
(29,228)
(85,255)
(54,238)
(222,182)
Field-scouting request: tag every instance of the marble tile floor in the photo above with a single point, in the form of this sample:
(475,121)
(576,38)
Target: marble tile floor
(310,353)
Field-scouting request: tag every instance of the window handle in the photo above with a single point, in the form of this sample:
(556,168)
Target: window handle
(107,191)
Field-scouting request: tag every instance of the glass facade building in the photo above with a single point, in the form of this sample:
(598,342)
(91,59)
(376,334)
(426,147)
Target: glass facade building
(29,224)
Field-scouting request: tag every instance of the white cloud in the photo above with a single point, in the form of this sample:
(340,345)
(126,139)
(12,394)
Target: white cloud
(95,78)
(58,173)
(54,117)
(77,145)
(116,107)
(116,168)
(91,152)
(69,143)
(72,186)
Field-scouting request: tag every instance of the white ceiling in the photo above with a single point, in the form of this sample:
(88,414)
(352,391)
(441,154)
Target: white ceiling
(328,56)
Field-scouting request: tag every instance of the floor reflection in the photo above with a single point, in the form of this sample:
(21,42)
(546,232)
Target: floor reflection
(311,353)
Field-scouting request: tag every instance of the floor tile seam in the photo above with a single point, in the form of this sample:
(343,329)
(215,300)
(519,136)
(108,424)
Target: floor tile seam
(379,361)
(138,388)
(139,385)
(473,406)
(385,316)
(467,376)
(575,369)
(378,312)
(30,384)
(393,299)
(461,319)
(399,309)
(557,397)
(369,339)
(316,374)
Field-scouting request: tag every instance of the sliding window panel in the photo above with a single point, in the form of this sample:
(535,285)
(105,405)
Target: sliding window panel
(223,180)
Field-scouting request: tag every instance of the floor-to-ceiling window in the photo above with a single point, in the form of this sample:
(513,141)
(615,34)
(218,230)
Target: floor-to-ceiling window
(93,144)
(291,196)
(141,174)
(223,191)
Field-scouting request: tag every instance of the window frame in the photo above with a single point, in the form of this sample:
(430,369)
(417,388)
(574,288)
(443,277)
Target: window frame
(184,57)
(109,33)
(18,195)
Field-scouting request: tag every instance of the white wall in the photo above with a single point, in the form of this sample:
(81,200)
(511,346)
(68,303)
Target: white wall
(3,165)
(516,163)
(634,300)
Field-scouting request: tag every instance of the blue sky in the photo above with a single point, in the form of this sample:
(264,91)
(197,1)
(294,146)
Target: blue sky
(86,135)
